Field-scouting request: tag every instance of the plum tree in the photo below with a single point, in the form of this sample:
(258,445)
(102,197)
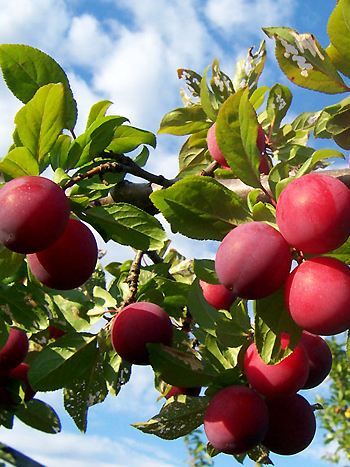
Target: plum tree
(68,262)
(251,271)
(292,424)
(137,325)
(34,212)
(235,420)
(320,358)
(317,295)
(283,378)
(217,295)
(313,213)
(14,351)
(176,391)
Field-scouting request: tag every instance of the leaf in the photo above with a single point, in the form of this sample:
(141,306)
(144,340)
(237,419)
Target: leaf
(260,455)
(183,206)
(258,96)
(26,69)
(39,415)
(41,120)
(192,80)
(272,319)
(338,60)
(16,458)
(59,153)
(19,162)
(236,132)
(127,138)
(207,97)
(128,225)
(338,29)
(64,360)
(10,262)
(342,253)
(204,269)
(178,368)
(304,61)
(184,121)
(193,155)
(98,110)
(203,314)
(278,103)
(116,371)
(318,156)
(178,417)
(233,328)
(81,394)
(220,83)
(248,70)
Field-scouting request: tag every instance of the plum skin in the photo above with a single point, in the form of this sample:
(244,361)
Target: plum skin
(214,149)
(317,295)
(313,213)
(292,425)
(283,378)
(14,351)
(68,262)
(217,295)
(320,359)
(236,419)
(21,373)
(34,212)
(135,326)
(176,391)
(253,260)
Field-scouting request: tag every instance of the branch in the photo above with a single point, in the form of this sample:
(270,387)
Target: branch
(133,278)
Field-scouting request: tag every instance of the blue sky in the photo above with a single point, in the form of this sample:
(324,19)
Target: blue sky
(128,51)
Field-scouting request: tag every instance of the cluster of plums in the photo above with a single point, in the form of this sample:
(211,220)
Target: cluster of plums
(217,155)
(13,370)
(34,220)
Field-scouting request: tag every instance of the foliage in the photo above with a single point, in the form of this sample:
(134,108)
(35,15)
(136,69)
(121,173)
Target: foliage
(93,169)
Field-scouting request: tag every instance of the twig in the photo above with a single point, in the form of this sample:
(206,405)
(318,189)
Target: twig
(133,278)
(209,171)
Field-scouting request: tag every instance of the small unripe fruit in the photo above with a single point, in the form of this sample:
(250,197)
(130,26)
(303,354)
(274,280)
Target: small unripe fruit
(292,425)
(214,148)
(34,212)
(137,325)
(235,420)
(70,261)
(14,351)
(253,260)
(177,391)
(217,295)
(283,378)
(55,333)
(313,213)
(319,356)
(317,295)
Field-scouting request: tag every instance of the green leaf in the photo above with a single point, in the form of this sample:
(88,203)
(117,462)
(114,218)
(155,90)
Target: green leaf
(201,208)
(39,415)
(10,262)
(220,83)
(192,80)
(128,225)
(19,162)
(26,69)
(204,269)
(177,368)
(233,328)
(318,156)
(81,394)
(278,103)
(260,455)
(304,61)
(127,138)
(342,253)
(95,139)
(203,314)
(64,360)
(178,417)
(236,132)
(184,121)
(14,457)
(193,155)
(338,29)
(41,120)
(258,96)
(338,60)
(207,97)
(116,371)
(272,319)
(98,110)
(59,153)
(248,70)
